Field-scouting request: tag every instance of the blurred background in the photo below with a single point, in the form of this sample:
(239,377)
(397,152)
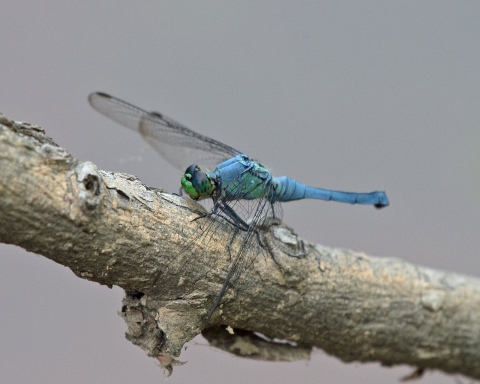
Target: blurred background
(355,96)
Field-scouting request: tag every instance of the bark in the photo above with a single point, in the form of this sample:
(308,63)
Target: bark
(110,228)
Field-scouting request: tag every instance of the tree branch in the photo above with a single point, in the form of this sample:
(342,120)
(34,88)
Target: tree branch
(110,228)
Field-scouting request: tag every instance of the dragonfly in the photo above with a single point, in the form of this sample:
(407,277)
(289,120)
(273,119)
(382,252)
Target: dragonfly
(244,193)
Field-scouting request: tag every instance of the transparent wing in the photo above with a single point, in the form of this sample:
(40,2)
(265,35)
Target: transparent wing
(179,145)
(246,232)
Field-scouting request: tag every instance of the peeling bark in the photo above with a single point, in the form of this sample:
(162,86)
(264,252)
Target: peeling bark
(110,228)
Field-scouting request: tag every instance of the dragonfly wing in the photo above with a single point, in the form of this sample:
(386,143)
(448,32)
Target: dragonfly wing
(179,145)
(248,217)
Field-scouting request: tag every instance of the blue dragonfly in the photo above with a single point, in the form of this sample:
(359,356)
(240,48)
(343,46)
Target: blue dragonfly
(243,191)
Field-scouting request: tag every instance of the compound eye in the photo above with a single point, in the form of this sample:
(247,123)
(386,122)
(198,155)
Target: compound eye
(199,178)
(190,171)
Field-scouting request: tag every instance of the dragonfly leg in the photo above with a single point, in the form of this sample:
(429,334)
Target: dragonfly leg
(233,218)
(203,215)
(236,221)
(157,276)
(229,247)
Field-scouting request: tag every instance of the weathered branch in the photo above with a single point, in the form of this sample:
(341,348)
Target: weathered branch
(109,228)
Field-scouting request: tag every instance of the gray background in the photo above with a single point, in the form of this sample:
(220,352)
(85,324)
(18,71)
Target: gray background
(354,96)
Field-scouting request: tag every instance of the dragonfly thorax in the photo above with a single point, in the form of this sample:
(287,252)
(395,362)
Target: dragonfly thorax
(197,184)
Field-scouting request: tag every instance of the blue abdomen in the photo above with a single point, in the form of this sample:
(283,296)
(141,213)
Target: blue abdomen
(287,189)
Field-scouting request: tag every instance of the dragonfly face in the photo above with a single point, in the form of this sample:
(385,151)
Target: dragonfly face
(197,184)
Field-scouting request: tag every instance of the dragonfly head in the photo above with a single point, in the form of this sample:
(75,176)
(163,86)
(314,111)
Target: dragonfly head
(197,183)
